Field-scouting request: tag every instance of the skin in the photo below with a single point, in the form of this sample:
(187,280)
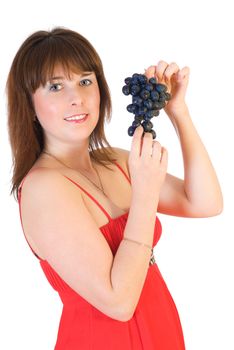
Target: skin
(61,98)
(176,80)
(59,238)
(199,193)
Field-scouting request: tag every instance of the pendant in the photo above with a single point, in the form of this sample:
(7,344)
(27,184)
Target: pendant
(152,259)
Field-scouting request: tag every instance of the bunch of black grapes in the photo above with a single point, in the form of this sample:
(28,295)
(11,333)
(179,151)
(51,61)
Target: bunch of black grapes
(148,97)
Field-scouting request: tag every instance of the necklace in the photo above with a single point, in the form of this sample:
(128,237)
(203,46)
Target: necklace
(100,189)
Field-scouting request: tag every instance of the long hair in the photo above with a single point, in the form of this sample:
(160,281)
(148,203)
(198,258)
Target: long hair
(32,65)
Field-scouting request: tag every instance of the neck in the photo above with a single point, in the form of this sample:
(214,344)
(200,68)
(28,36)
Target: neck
(73,162)
(67,166)
(75,155)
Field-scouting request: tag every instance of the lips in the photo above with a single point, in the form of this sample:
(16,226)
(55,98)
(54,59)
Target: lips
(78,118)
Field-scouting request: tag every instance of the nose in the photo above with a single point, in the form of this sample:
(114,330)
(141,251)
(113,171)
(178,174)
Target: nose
(76,97)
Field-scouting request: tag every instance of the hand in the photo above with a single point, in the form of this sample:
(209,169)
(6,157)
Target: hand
(147,165)
(176,80)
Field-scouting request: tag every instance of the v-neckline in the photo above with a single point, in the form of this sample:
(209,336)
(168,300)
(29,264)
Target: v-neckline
(110,201)
(93,198)
(114,219)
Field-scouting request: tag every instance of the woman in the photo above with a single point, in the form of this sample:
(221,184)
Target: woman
(85,211)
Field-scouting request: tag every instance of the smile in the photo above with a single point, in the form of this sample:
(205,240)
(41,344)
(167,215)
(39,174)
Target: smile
(78,118)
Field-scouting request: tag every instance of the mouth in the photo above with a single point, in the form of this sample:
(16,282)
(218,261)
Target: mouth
(78,118)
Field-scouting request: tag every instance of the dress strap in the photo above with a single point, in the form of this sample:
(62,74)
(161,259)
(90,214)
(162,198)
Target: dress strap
(75,183)
(90,196)
(19,201)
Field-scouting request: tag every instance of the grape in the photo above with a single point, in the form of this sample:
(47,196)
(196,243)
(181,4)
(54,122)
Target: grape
(148,97)
(168,96)
(154,95)
(142,110)
(162,96)
(131,130)
(156,105)
(134,80)
(162,104)
(127,80)
(148,104)
(145,94)
(155,112)
(131,108)
(147,125)
(126,90)
(152,81)
(142,79)
(153,133)
(136,123)
(149,87)
(149,114)
(135,89)
(161,87)
(139,118)
(136,100)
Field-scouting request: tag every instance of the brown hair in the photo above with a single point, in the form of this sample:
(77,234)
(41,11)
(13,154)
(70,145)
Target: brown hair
(33,64)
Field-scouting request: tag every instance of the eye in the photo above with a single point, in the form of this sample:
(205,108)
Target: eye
(54,87)
(85,82)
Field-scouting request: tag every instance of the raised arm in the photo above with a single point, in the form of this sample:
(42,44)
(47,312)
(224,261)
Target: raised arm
(199,193)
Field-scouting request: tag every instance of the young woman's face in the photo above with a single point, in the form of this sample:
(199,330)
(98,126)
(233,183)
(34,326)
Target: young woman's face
(62,98)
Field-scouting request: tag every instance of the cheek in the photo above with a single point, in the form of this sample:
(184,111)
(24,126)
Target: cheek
(96,98)
(44,108)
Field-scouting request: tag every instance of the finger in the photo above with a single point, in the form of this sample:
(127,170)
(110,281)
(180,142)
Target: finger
(160,69)
(164,157)
(156,152)
(150,72)
(173,68)
(147,145)
(136,142)
(183,74)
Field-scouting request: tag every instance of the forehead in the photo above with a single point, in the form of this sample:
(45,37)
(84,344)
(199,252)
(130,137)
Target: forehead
(68,72)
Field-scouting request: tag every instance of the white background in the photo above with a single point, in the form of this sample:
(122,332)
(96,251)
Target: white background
(195,256)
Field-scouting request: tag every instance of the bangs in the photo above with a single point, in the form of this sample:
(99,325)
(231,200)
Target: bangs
(71,56)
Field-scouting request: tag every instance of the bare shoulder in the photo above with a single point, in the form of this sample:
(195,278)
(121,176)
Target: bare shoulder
(46,189)
(41,180)
(40,174)
(67,237)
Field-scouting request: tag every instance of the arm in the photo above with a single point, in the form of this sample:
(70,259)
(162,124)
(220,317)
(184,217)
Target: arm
(70,241)
(199,193)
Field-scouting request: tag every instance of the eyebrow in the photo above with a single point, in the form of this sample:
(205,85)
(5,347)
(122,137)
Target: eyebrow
(85,74)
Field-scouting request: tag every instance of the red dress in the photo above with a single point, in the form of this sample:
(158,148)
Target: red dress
(155,324)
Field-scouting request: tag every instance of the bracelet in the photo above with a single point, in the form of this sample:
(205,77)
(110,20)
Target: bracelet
(152,259)
(146,245)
